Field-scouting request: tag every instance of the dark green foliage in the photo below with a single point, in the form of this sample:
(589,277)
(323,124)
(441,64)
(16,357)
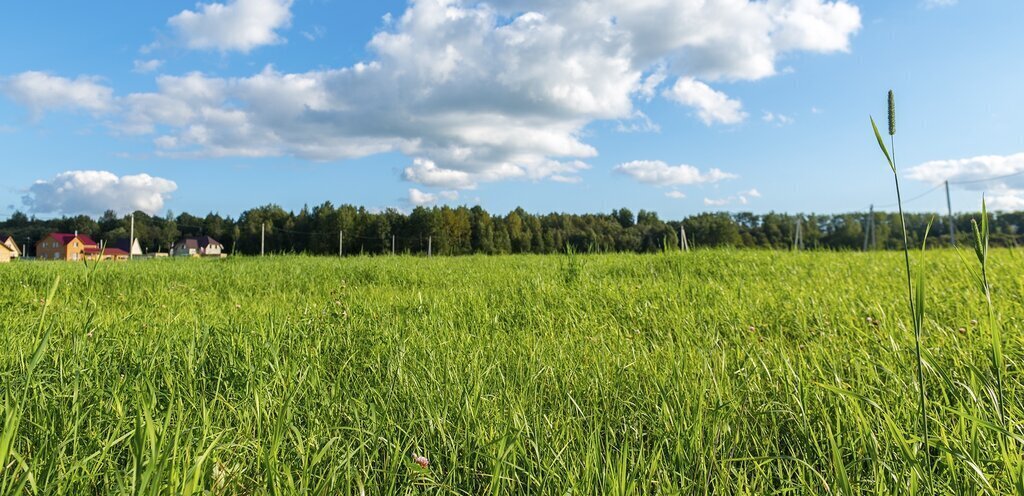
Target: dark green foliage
(462,230)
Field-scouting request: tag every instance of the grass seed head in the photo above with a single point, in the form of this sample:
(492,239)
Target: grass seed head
(892,114)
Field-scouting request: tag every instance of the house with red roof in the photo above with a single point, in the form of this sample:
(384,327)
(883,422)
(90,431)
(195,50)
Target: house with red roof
(63,246)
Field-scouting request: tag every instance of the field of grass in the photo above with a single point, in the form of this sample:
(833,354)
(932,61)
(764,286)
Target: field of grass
(709,372)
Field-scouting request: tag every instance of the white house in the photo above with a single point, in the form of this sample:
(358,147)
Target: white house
(197,247)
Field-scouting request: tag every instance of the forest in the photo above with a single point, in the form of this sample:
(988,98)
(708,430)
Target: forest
(465,230)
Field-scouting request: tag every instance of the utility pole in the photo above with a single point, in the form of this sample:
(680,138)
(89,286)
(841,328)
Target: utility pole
(430,246)
(131,239)
(798,236)
(263,237)
(952,227)
(341,243)
(683,245)
(392,244)
(869,229)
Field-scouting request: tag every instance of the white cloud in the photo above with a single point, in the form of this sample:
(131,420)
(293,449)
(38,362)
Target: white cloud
(970,169)
(718,202)
(985,173)
(743,198)
(661,174)
(933,4)
(93,192)
(427,173)
(422,198)
(639,123)
(650,84)
(713,107)
(143,66)
(485,91)
(39,92)
(238,25)
(676,195)
(777,119)
(315,34)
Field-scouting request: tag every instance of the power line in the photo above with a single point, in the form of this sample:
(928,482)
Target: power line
(972,181)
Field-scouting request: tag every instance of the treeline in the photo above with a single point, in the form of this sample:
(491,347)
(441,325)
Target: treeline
(464,230)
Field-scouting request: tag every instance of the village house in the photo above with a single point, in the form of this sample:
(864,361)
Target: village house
(198,247)
(63,246)
(6,254)
(105,253)
(133,247)
(8,241)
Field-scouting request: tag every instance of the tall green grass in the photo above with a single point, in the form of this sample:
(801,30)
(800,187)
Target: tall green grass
(708,372)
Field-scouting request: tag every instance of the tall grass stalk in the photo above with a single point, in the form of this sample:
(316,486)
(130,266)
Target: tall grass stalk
(915,302)
(981,237)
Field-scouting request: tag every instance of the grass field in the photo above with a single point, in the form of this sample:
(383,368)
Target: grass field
(709,372)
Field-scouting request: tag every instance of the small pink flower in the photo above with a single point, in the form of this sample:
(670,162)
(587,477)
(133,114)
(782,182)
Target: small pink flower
(421,460)
(752,329)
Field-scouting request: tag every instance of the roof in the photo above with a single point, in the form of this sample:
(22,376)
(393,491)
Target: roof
(200,242)
(122,244)
(65,238)
(109,251)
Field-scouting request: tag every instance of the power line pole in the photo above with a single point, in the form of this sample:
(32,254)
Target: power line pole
(392,244)
(430,246)
(131,239)
(798,237)
(869,229)
(683,245)
(952,227)
(263,237)
(341,243)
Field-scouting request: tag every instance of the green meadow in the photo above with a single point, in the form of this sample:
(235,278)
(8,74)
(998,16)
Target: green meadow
(707,372)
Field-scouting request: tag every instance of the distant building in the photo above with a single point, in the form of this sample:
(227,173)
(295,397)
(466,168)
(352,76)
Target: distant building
(198,247)
(6,254)
(63,246)
(98,253)
(8,241)
(132,247)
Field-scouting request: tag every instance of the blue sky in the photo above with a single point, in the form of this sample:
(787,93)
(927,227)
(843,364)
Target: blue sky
(220,107)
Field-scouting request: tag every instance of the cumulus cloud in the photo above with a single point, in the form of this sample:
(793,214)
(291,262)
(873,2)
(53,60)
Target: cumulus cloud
(1000,176)
(93,192)
(238,25)
(39,92)
(484,91)
(422,198)
(428,173)
(661,174)
(676,195)
(713,107)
